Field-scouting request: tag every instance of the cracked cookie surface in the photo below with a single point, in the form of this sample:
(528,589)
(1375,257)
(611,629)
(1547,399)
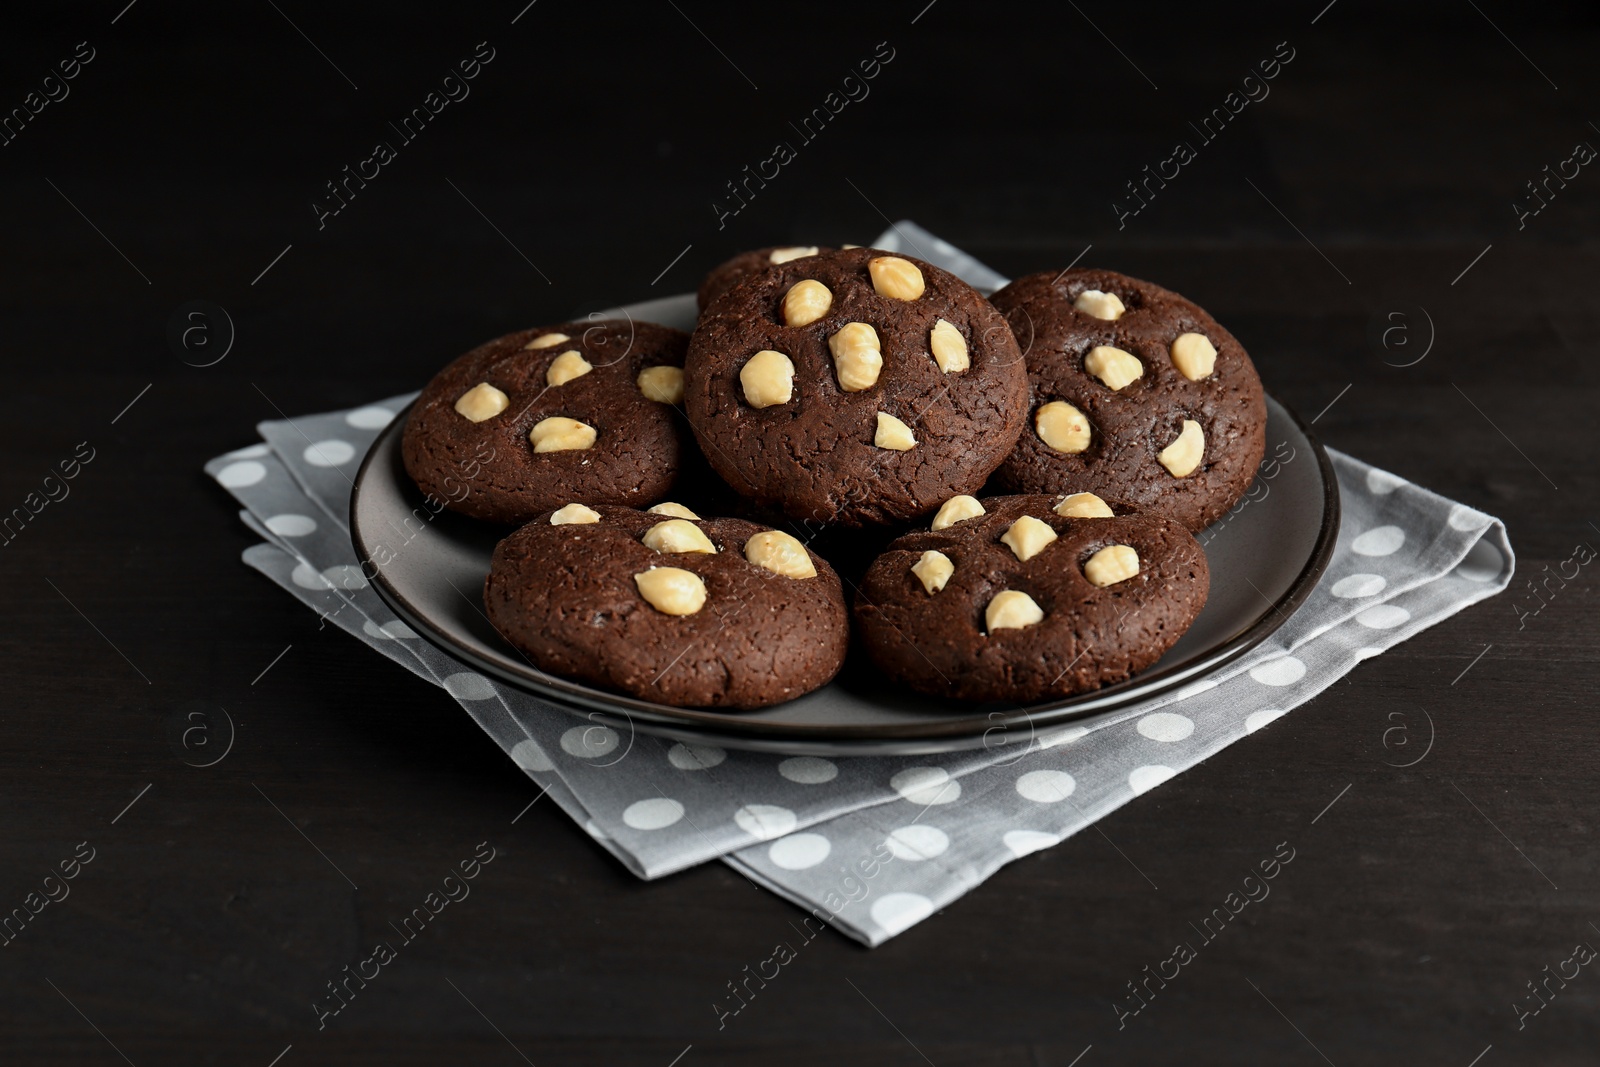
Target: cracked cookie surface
(530,421)
(732,271)
(1021,603)
(1137,394)
(633,601)
(856,387)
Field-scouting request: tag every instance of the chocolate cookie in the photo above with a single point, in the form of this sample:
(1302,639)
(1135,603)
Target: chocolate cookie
(729,273)
(1023,598)
(669,607)
(532,420)
(1138,395)
(855,387)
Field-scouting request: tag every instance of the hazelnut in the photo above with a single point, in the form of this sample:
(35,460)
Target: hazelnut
(573,514)
(949,348)
(1113,366)
(1011,610)
(894,277)
(768,379)
(567,366)
(780,553)
(1107,306)
(677,535)
(667,507)
(1183,455)
(857,356)
(664,385)
(1027,537)
(482,401)
(806,302)
(549,340)
(892,433)
(1112,564)
(1083,506)
(933,570)
(1194,355)
(560,434)
(784,255)
(1062,427)
(956,509)
(671,590)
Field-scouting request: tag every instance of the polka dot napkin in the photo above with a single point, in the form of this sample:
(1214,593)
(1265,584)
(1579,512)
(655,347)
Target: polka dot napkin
(873,845)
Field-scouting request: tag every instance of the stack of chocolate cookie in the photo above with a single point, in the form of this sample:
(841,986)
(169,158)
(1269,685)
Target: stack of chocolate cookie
(866,401)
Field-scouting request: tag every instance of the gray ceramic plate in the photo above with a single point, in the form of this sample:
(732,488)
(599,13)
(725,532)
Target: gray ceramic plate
(1265,556)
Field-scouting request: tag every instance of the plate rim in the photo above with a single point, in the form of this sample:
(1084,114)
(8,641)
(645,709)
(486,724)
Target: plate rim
(728,727)
(947,732)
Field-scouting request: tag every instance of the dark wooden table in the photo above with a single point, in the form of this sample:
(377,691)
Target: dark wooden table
(1378,181)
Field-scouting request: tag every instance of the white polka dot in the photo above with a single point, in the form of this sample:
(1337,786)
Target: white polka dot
(589,742)
(370,418)
(1060,735)
(292,525)
(926,785)
(1382,483)
(1143,779)
(1257,719)
(1383,617)
(917,842)
(1354,586)
(389,631)
(329,453)
(1023,842)
(1467,519)
(1046,787)
(345,576)
(900,911)
(469,686)
(239,475)
(652,814)
(1285,670)
(1166,726)
(1482,563)
(1195,689)
(1368,653)
(808,770)
(1379,541)
(308,577)
(765,821)
(530,757)
(799,851)
(695,757)
(592,828)
(250,452)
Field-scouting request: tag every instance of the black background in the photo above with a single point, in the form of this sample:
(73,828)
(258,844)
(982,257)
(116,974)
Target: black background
(187,156)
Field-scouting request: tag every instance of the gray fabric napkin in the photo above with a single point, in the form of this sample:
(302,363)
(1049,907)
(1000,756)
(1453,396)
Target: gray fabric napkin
(873,845)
